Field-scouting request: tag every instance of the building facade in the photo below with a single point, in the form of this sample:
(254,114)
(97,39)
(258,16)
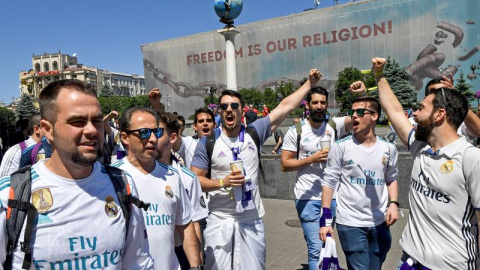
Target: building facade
(56,66)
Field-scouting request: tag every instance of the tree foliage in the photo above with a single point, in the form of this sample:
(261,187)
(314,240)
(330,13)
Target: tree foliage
(7,117)
(211,98)
(399,79)
(25,108)
(106,91)
(346,77)
(252,96)
(464,88)
(121,104)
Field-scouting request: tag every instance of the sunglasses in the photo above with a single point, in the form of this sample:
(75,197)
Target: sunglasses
(360,112)
(146,132)
(444,100)
(234,105)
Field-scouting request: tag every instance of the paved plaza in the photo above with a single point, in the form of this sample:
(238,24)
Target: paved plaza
(287,249)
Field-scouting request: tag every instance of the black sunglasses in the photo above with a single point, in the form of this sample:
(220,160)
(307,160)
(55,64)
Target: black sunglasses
(146,132)
(360,112)
(234,105)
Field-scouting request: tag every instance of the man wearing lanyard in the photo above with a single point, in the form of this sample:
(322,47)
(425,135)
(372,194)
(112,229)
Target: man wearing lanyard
(234,237)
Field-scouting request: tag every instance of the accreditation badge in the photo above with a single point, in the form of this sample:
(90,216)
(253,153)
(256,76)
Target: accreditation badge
(42,199)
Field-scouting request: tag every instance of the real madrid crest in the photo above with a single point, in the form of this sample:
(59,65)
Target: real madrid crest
(111,208)
(168,192)
(42,200)
(328,133)
(447,167)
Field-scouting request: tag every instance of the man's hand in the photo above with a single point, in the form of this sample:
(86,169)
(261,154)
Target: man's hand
(324,231)
(320,156)
(448,81)
(154,96)
(273,152)
(378,64)
(234,179)
(110,116)
(392,214)
(314,76)
(358,87)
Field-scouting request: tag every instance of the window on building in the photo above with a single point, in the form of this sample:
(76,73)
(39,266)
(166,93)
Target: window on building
(46,67)
(55,65)
(37,67)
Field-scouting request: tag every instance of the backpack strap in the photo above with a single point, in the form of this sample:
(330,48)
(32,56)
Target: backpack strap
(298,127)
(19,208)
(195,137)
(33,154)
(124,194)
(209,144)
(23,146)
(253,133)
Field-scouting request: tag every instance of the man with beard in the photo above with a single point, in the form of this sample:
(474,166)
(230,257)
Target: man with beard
(305,156)
(79,217)
(234,237)
(158,184)
(364,168)
(444,192)
(169,122)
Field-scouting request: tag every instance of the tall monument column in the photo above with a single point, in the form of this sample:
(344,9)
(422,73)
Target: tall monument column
(228,10)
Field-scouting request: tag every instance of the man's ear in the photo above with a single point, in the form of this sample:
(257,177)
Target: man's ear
(440,115)
(48,128)
(173,138)
(124,139)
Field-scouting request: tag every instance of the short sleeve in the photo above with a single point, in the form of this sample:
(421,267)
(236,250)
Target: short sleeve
(414,146)
(263,128)
(200,157)
(184,208)
(340,126)
(333,170)
(290,141)
(392,171)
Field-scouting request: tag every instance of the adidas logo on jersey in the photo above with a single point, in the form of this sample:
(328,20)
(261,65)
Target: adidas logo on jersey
(306,140)
(350,162)
(221,154)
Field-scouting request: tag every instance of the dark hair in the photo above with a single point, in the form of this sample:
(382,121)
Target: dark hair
(181,118)
(317,90)
(126,117)
(34,121)
(203,110)
(170,120)
(456,107)
(430,83)
(233,94)
(372,102)
(49,95)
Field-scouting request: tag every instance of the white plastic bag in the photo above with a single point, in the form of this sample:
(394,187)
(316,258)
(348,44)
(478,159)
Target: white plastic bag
(328,256)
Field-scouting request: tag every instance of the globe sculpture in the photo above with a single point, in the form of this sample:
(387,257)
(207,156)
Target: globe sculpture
(228,10)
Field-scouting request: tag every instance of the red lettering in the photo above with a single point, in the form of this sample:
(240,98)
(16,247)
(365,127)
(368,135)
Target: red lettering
(196,59)
(218,55)
(250,50)
(189,59)
(271,47)
(210,56)
(325,41)
(280,43)
(239,53)
(292,43)
(344,34)
(362,32)
(204,57)
(317,38)
(307,40)
(334,35)
(377,28)
(354,33)
(256,49)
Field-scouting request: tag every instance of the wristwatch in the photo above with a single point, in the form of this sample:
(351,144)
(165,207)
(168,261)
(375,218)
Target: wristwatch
(394,202)
(200,267)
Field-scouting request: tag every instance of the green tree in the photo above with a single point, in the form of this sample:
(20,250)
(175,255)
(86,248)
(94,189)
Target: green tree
(346,77)
(270,98)
(211,98)
(399,79)
(106,91)
(121,104)
(251,96)
(464,88)
(25,108)
(7,117)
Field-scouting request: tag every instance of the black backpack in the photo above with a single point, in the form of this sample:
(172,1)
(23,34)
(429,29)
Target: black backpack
(210,143)
(20,207)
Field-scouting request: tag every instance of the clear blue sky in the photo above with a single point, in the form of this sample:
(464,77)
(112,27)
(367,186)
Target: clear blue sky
(108,34)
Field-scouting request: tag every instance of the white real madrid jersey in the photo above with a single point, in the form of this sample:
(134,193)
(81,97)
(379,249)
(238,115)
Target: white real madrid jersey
(362,175)
(169,206)
(307,184)
(80,224)
(444,201)
(187,149)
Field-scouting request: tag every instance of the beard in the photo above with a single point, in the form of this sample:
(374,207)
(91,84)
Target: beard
(317,116)
(424,129)
(85,160)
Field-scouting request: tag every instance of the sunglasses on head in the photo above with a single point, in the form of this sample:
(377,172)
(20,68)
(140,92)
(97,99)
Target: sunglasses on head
(234,105)
(360,112)
(146,132)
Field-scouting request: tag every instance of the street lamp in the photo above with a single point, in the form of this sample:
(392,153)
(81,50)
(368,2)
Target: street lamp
(211,90)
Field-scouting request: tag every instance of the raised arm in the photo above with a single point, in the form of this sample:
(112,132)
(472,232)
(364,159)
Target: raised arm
(107,119)
(293,101)
(473,124)
(389,101)
(154,97)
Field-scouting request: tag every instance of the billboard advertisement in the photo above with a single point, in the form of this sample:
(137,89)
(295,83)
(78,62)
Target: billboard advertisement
(429,37)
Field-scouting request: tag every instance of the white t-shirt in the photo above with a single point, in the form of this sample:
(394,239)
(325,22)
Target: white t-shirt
(362,175)
(169,206)
(118,150)
(187,149)
(220,203)
(80,224)
(11,159)
(444,197)
(307,184)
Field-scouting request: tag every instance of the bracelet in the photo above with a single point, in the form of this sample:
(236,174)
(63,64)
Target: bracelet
(221,183)
(394,202)
(378,74)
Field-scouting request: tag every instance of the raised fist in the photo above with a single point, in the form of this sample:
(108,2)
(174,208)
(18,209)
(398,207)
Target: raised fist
(314,76)
(378,64)
(358,87)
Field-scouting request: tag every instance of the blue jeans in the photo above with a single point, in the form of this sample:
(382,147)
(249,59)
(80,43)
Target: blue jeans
(365,247)
(309,212)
